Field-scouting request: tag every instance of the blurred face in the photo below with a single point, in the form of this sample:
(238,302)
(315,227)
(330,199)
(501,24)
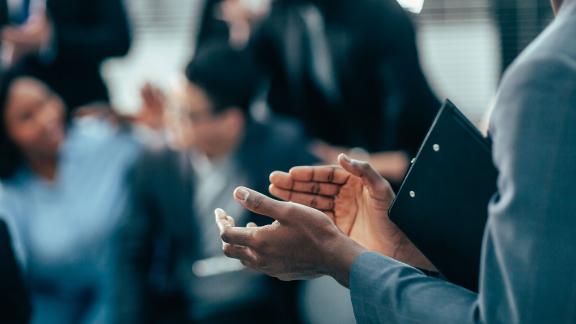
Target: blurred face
(212,134)
(34,119)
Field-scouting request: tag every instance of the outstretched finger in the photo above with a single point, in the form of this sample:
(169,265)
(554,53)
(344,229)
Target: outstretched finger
(263,205)
(243,236)
(223,220)
(328,174)
(315,201)
(283,180)
(375,182)
(241,253)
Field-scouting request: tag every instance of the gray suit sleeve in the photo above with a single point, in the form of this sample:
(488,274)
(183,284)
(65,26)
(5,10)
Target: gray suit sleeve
(529,251)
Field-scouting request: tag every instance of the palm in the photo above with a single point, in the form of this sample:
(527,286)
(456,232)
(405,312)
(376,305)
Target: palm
(357,200)
(360,211)
(363,215)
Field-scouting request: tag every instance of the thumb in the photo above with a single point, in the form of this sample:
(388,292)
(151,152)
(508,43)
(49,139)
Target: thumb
(371,178)
(263,205)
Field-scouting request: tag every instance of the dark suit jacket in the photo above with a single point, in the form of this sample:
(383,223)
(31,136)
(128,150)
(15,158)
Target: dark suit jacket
(385,103)
(529,251)
(211,29)
(3,13)
(160,236)
(86,33)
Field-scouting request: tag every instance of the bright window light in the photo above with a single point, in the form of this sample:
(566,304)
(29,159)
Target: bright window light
(414,6)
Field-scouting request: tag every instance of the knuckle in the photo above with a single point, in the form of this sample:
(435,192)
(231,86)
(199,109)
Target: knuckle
(314,202)
(315,188)
(262,246)
(365,166)
(289,209)
(292,183)
(331,174)
(225,235)
(251,237)
(257,243)
(256,202)
(260,263)
(331,204)
(384,186)
(254,240)
(228,251)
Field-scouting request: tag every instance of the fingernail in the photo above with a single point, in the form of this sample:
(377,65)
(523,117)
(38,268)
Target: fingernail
(221,219)
(273,175)
(220,213)
(241,194)
(345,158)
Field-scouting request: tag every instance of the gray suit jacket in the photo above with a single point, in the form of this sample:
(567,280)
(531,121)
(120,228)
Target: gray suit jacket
(529,251)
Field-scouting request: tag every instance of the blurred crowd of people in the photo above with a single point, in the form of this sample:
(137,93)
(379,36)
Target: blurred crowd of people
(113,224)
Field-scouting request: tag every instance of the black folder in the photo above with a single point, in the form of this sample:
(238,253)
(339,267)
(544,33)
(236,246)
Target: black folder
(442,203)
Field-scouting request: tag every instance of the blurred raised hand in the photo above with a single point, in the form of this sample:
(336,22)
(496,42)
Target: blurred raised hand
(357,198)
(153,107)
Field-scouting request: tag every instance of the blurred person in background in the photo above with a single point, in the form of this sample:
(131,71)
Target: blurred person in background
(172,268)
(64,189)
(350,72)
(64,42)
(518,22)
(211,28)
(230,20)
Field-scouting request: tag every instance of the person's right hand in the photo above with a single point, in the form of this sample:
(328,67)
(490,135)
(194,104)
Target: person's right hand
(357,199)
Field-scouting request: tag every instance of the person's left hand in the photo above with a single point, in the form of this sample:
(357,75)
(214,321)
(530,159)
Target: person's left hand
(302,242)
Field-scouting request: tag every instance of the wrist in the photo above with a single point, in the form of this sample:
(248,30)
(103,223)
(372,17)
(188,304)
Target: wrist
(408,253)
(340,253)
